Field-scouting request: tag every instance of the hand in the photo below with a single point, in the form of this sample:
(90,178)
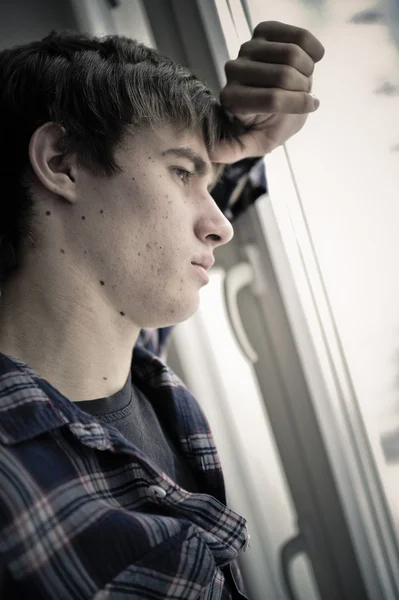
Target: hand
(269,87)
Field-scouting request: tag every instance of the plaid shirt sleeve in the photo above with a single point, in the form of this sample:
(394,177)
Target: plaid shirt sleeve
(240,185)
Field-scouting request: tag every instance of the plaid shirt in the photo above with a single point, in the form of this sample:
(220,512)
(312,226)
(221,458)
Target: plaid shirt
(86,514)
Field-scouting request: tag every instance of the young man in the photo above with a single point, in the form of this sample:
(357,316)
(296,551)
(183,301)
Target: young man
(110,482)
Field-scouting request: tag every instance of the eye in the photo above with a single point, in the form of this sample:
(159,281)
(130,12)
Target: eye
(182,174)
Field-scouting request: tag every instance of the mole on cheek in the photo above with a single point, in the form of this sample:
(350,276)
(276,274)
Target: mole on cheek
(102,283)
(48,212)
(83,218)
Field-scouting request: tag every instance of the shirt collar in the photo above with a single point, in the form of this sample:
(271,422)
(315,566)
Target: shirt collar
(31,406)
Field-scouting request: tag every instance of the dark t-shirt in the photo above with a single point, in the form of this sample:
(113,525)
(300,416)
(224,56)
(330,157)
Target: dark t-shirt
(133,414)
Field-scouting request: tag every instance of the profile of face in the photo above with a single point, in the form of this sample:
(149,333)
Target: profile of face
(131,239)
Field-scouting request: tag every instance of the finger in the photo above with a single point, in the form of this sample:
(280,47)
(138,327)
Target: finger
(274,31)
(254,100)
(282,54)
(268,75)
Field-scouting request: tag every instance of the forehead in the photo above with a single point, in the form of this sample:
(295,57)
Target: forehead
(160,139)
(169,135)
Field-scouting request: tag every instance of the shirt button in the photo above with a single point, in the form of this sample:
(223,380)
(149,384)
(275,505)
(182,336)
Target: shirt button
(157,491)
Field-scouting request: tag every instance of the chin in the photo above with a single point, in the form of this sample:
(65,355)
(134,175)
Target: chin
(179,312)
(185,308)
(183,315)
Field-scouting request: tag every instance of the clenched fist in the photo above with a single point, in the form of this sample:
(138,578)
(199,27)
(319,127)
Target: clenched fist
(269,86)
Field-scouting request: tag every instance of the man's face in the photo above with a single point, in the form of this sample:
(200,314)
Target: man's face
(143,227)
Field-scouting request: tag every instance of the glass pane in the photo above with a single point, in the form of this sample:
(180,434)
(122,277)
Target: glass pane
(346,166)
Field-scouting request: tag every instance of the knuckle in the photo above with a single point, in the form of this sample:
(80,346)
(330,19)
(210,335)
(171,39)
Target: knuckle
(311,69)
(259,29)
(226,98)
(274,102)
(302,37)
(293,54)
(246,48)
(222,95)
(285,76)
(229,67)
(264,26)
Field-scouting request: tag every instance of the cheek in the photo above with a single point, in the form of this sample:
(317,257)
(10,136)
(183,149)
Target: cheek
(159,228)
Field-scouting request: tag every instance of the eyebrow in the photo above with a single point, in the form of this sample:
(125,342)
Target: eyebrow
(201,167)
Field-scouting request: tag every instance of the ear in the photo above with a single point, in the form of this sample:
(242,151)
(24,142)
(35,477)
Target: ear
(50,166)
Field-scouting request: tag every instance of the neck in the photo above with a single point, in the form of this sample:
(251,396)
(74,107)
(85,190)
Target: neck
(73,340)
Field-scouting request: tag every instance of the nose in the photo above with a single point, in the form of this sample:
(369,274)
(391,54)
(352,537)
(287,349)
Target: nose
(214,225)
(224,235)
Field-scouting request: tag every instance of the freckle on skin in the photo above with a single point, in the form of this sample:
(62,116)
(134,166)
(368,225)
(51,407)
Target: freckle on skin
(102,283)
(122,313)
(83,217)
(105,378)
(48,212)
(139,253)
(62,251)
(101,211)
(149,246)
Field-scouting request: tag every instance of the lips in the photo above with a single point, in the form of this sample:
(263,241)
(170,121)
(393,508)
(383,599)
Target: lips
(201,272)
(206,262)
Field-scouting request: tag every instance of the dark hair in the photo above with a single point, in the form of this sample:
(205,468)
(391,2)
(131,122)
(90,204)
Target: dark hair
(97,89)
